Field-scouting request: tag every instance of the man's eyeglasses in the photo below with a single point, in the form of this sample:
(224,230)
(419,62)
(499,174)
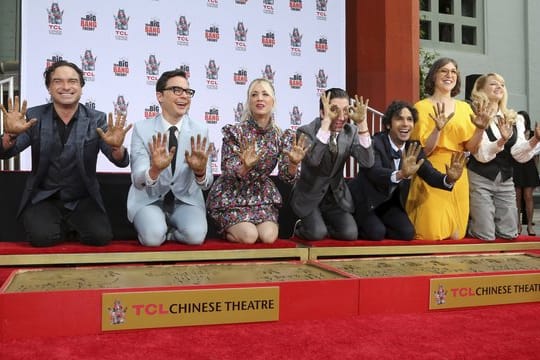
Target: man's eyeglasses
(177,90)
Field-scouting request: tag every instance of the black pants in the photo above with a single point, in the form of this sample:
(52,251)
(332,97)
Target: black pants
(387,221)
(49,222)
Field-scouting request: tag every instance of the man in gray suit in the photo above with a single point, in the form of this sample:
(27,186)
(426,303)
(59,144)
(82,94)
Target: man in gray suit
(320,198)
(165,201)
(62,196)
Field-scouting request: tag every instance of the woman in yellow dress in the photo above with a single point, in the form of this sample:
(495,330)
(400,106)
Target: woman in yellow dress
(445,125)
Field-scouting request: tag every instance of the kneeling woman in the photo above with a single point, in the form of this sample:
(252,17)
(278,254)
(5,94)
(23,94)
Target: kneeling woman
(244,202)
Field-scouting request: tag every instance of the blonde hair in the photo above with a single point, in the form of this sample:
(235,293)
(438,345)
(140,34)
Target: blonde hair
(268,87)
(478,95)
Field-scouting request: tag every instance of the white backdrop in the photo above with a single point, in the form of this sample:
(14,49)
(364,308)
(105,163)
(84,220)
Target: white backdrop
(124,45)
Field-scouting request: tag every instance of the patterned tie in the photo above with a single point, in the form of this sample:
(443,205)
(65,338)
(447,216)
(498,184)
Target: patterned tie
(173,142)
(332,144)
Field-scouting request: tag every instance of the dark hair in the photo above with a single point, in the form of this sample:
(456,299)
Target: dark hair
(334,93)
(526,118)
(429,83)
(162,81)
(48,72)
(394,108)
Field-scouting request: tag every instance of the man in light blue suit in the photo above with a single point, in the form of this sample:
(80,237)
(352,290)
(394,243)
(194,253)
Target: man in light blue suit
(165,201)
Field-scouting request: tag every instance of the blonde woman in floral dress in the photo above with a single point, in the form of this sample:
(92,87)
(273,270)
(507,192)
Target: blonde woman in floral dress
(244,201)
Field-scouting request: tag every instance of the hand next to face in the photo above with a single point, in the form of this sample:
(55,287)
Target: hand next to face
(440,118)
(358,111)
(116,132)
(298,150)
(15,121)
(457,163)
(330,112)
(409,163)
(198,158)
(482,114)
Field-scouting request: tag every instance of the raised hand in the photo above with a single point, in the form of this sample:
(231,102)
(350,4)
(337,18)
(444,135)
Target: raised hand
(409,163)
(330,112)
(160,158)
(358,111)
(457,163)
(505,127)
(440,117)
(198,158)
(15,121)
(116,133)
(247,153)
(482,114)
(298,150)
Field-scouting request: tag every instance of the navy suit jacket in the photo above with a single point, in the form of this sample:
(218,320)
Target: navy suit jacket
(372,186)
(83,135)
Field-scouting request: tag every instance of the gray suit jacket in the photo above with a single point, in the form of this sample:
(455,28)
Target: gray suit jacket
(319,171)
(85,137)
(182,184)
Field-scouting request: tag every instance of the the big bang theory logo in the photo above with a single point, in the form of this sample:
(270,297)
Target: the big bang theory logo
(121,21)
(152,28)
(121,68)
(90,103)
(54,17)
(53,59)
(212,115)
(212,33)
(89,22)
(295,81)
(185,68)
(268,39)
(151,111)
(321,45)
(240,77)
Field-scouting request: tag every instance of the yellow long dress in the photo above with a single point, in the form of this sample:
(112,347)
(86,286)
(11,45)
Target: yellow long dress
(438,214)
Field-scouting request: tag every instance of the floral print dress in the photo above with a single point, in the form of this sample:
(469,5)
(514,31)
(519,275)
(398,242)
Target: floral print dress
(254,197)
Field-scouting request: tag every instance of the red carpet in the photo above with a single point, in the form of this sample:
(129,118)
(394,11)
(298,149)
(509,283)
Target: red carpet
(501,332)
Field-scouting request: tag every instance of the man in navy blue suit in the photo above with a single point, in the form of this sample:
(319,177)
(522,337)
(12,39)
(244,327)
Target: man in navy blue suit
(380,192)
(62,195)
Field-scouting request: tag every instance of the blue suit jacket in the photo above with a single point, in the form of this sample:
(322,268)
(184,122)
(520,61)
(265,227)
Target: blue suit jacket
(182,184)
(85,137)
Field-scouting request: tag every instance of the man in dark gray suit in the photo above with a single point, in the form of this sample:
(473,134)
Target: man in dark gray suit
(320,198)
(62,195)
(380,192)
